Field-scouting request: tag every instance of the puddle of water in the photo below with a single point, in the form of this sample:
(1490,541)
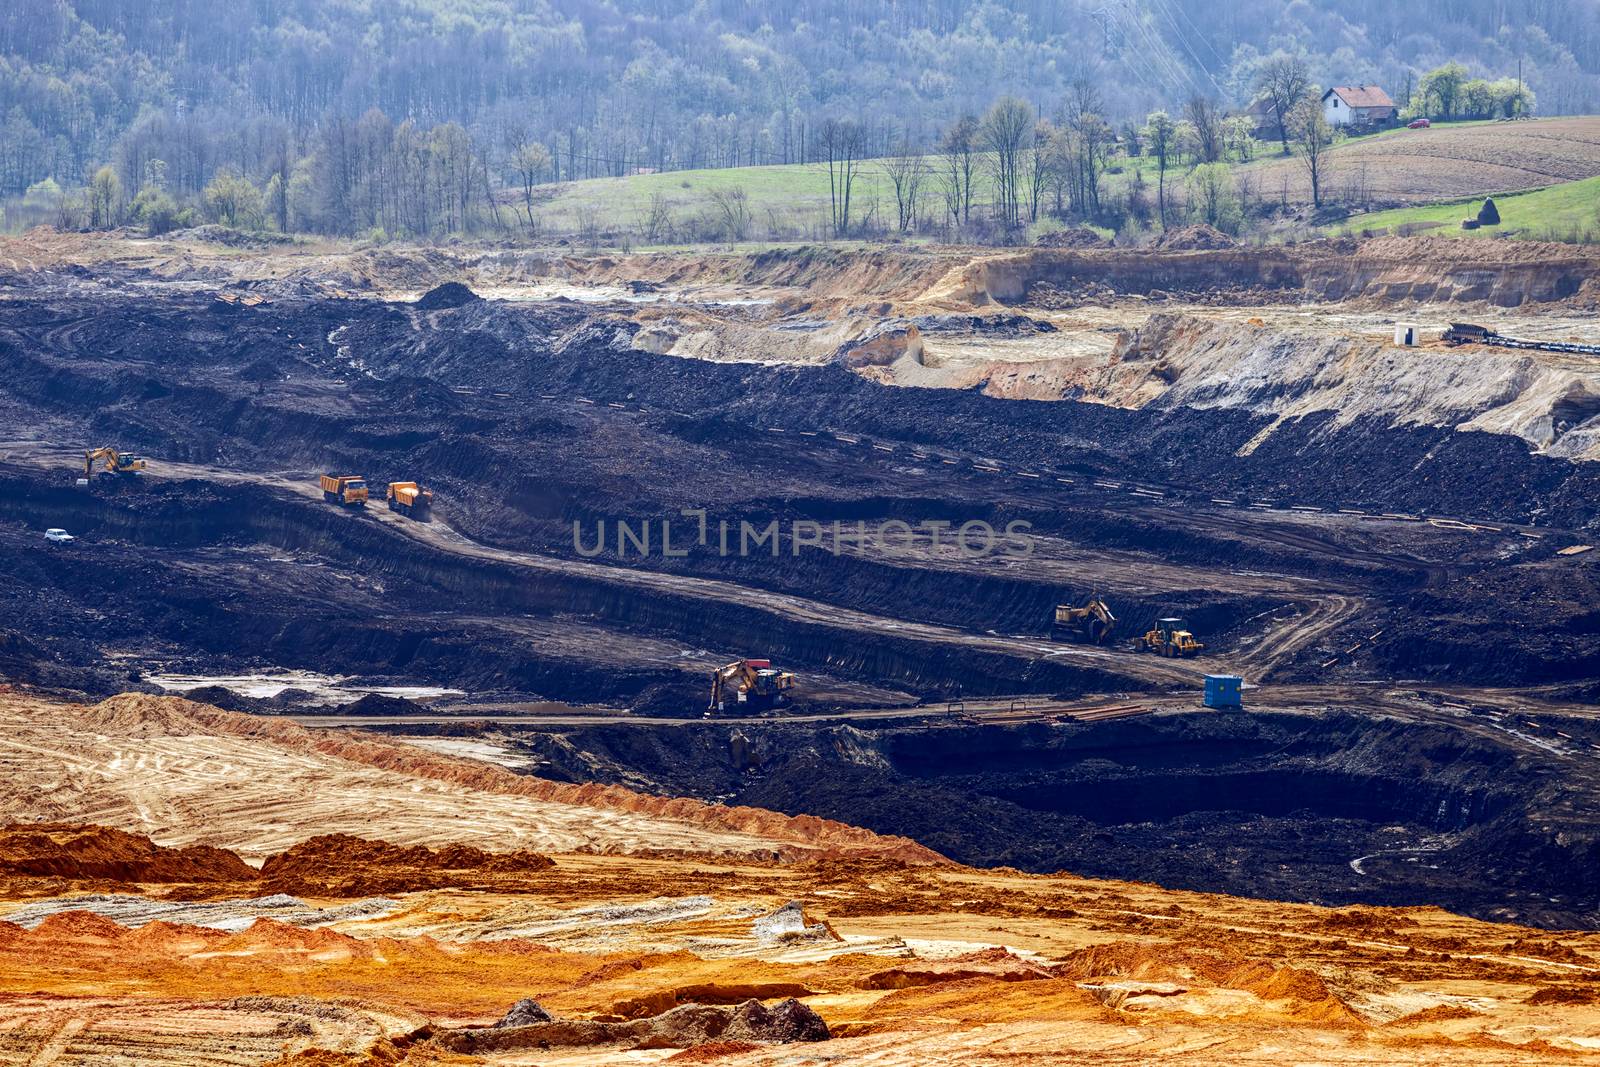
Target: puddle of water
(324,689)
(480,750)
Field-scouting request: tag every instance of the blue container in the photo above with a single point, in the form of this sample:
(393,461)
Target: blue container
(1224,691)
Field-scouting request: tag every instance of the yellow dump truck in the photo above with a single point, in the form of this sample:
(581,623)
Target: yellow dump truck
(347,489)
(410,500)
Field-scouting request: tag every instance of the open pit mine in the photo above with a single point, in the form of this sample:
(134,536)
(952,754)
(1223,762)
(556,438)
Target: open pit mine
(1081,656)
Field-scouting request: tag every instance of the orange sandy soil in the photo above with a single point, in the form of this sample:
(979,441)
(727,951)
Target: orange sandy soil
(909,962)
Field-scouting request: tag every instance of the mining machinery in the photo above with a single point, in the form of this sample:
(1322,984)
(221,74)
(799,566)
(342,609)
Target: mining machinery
(115,462)
(749,683)
(1170,638)
(411,500)
(1092,623)
(350,490)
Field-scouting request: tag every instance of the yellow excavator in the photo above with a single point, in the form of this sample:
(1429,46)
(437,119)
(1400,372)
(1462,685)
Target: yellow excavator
(1170,638)
(1092,623)
(750,683)
(116,462)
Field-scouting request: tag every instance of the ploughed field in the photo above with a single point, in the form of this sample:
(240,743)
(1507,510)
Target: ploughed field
(1454,160)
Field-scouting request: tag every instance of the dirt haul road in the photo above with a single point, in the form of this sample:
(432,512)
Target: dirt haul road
(438,535)
(1309,617)
(1313,616)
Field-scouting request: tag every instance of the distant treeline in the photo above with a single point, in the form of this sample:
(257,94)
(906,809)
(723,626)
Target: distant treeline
(411,116)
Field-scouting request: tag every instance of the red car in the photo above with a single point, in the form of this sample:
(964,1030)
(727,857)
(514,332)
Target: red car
(1418,124)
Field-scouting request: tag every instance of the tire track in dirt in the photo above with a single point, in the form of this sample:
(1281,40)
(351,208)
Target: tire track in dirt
(1284,641)
(57,1043)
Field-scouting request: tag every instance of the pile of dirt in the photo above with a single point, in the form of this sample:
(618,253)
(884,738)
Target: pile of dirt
(448,295)
(525,1012)
(227,236)
(1000,324)
(1565,995)
(1439,1013)
(669,698)
(98,853)
(339,865)
(1196,238)
(682,1027)
(1069,294)
(1072,237)
(1220,965)
(997,965)
(382,704)
(882,345)
(712,1050)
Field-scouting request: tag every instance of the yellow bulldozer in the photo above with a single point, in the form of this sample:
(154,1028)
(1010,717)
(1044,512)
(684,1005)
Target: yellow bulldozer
(349,490)
(116,462)
(1170,638)
(1092,623)
(749,683)
(410,500)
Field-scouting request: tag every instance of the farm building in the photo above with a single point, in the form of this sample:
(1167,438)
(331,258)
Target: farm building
(1263,120)
(1357,105)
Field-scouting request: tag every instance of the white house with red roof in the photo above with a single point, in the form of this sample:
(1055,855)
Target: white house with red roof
(1357,105)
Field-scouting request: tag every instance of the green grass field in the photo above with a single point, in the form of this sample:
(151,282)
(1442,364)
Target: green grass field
(789,198)
(791,202)
(1566,212)
(786,202)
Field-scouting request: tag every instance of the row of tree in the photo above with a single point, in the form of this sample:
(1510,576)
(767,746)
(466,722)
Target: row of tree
(1451,92)
(368,176)
(372,176)
(1014,166)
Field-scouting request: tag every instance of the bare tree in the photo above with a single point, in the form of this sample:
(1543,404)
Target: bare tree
(1161,141)
(1282,83)
(905,170)
(1312,137)
(1203,115)
(278,187)
(958,147)
(658,219)
(532,161)
(1006,129)
(1060,163)
(734,206)
(841,145)
(1043,163)
(1239,135)
(1091,142)
(587,217)
(105,199)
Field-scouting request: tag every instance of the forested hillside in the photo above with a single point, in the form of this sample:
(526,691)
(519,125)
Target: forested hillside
(298,96)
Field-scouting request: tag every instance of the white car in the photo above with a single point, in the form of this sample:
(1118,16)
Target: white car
(58,536)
